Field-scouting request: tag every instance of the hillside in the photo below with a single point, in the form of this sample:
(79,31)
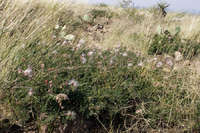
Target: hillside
(93,68)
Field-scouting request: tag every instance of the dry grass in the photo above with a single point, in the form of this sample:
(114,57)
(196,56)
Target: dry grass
(25,21)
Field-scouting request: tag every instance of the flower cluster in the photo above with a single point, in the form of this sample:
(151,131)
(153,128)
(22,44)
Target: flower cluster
(61,97)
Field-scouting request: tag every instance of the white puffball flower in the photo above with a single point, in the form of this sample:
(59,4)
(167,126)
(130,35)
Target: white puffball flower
(116,50)
(178,56)
(28,72)
(81,41)
(83,55)
(64,42)
(130,64)
(141,64)
(70,37)
(30,92)
(23,46)
(61,97)
(54,52)
(125,54)
(57,26)
(73,83)
(159,64)
(83,59)
(90,53)
(169,62)
(111,61)
(79,45)
(71,114)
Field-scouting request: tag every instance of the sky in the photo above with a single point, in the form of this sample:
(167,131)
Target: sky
(175,5)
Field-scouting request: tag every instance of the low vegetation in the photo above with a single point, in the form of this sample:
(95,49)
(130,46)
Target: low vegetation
(169,44)
(98,69)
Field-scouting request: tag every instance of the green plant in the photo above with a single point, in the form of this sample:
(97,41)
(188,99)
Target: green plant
(50,76)
(100,13)
(162,7)
(92,88)
(103,5)
(168,43)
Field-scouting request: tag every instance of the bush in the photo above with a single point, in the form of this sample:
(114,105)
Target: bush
(69,83)
(87,82)
(100,13)
(168,43)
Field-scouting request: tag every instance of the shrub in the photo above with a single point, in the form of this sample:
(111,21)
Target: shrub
(100,13)
(169,43)
(68,83)
(87,82)
(102,5)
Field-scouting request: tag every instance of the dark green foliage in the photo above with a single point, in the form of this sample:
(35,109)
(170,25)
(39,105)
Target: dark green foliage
(101,13)
(104,88)
(168,43)
(102,5)
(162,6)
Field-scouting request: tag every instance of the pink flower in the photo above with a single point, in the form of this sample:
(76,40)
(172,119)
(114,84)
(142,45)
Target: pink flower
(51,84)
(159,64)
(28,72)
(46,82)
(73,83)
(19,70)
(30,92)
(90,53)
(83,59)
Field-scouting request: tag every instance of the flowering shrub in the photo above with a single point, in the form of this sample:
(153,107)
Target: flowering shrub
(51,78)
(61,83)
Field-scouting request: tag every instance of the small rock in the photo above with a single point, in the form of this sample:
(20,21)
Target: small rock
(178,56)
